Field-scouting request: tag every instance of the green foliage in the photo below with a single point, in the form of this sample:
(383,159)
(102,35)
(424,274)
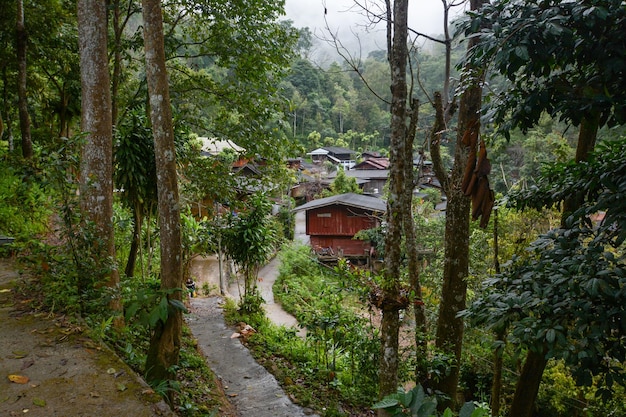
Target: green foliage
(415,403)
(559,57)
(296,261)
(224,85)
(73,272)
(559,395)
(249,242)
(24,207)
(198,391)
(135,166)
(412,403)
(342,184)
(518,160)
(149,306)
(343,344)
(287,220)
(567,299)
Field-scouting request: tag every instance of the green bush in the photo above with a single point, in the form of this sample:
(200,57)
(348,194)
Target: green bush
(24,207)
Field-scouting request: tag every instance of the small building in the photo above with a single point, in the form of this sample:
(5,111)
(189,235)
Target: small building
(370,154)
(371,181)
(334,154)
(214,146)
(373,163)
(332,222)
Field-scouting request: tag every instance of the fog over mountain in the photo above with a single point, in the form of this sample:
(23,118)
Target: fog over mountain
(351,25)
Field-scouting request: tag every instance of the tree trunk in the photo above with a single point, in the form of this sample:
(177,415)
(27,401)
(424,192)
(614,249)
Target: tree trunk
(117,61)
(166,338)
(136,240)
(528,385)
(96,171)
(390,326)
(5,108)
(419,312)
(496,383)
(587,135)
(449,338)
(27,144)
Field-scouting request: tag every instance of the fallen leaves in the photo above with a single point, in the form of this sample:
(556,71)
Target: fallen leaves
(244,331)
(19,354)
(39,402)
(19,379)
(27,364)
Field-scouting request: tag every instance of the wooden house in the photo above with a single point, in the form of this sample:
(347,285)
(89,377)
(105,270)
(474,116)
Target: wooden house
(373,163)
(371,181)
(332,222)
(334,154)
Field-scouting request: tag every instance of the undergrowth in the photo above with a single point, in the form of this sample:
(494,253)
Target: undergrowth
(334,369)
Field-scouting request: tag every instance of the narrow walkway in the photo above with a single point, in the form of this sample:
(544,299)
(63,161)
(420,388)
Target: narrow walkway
(273,311)
(251,388)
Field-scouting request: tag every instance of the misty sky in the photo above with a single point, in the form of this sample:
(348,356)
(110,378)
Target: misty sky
(343,17)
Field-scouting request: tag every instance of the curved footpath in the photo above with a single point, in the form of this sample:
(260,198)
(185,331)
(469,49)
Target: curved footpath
(251,388)
(62,373)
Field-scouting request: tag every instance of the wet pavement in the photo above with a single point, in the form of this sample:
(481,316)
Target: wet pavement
(251,389)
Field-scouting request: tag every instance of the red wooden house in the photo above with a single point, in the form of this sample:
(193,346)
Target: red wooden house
(332,222)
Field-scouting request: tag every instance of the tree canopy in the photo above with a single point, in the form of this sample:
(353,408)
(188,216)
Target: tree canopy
(561,57)
(566,299)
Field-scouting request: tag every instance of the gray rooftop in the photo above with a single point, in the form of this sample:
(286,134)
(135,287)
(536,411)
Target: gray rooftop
(350,199)
(368,174)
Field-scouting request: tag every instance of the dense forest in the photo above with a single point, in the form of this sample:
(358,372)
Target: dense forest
(106,187)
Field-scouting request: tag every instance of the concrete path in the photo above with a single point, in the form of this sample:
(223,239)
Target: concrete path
(251,388)
(273,311)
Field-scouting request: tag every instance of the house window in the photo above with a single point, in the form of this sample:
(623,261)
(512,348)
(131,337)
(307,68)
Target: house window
(323,214)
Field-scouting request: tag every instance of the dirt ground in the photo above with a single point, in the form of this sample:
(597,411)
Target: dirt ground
(48,368)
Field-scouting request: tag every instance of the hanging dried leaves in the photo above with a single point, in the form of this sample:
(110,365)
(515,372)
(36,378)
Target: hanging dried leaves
(475,182)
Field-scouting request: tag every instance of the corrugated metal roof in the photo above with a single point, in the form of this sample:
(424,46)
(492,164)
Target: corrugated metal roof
(365,174)
(350,199)
(338,150)
(214,146)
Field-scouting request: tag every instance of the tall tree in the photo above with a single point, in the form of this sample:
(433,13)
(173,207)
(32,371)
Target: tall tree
(166,337)
(96,177)
(397,33)
(450,328)
(22,39)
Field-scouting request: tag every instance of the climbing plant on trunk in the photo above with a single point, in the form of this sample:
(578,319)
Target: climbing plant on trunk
(450,328)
